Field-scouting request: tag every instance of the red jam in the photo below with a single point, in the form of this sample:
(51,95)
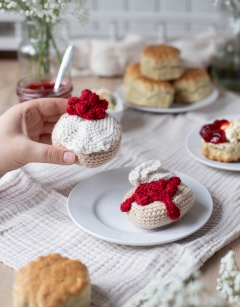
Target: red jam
(161,190)
(44,85)
(214,133)
(32,87)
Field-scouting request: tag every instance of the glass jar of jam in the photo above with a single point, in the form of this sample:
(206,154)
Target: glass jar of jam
(30,88)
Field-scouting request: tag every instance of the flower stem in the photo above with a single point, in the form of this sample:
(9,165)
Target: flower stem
(47,53)
(59,57)
(40,59)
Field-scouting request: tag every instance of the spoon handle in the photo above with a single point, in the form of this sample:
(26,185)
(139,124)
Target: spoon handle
(64,66)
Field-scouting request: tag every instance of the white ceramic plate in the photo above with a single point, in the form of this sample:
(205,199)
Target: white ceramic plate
(175,107)
(194,148)
(94,206)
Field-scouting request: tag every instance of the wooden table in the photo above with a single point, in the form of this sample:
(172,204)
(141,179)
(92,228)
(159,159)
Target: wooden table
(8,97)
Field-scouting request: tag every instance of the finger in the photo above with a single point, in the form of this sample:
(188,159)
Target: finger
(45,139)
(53,118)
(43,153)
(48,106)
(47,128)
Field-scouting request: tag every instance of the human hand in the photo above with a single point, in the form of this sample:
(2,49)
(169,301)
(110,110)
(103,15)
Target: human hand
(25,134)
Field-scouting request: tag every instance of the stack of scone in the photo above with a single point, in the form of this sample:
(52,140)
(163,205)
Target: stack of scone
(160,78)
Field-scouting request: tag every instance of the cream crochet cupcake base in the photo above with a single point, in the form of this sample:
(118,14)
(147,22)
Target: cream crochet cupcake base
(155,215)
(92,159)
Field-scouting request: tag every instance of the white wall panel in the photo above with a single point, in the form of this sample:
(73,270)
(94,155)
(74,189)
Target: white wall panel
(198,28)
(146,29)
(142,5)
(110,5)
(202,6)
(155,20)
(174,5)
(175,30)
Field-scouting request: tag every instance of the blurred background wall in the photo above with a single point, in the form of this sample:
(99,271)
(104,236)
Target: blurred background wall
(155,20)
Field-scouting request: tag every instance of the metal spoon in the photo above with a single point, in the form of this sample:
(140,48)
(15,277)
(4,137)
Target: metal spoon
(64,66)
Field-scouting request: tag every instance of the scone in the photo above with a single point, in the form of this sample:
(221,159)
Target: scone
(193,85)
(161,62)
(87,130)
(52,281)
(143,91)
(158,197)
(221,140)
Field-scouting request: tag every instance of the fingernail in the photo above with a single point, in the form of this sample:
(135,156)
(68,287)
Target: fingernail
(68,157)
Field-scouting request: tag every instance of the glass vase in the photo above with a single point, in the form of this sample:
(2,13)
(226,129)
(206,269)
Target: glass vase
(225,64)
(42,48)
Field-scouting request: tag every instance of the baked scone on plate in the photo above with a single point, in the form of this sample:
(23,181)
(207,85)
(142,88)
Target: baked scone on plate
(158,197)
(52,281)
(161,62)
(146,92)
(87,130)
(192,86)
(221,140)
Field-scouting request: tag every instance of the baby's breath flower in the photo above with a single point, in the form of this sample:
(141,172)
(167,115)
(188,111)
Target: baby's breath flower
(51,11)
(229,281)
(182,290)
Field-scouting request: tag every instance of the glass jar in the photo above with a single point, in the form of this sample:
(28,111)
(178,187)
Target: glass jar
(42,48)
(225,64)
(29,88)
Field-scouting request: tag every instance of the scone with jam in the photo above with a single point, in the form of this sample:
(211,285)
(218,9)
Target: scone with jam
(221,140)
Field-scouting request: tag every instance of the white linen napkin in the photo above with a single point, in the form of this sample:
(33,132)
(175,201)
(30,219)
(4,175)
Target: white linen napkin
(34,219)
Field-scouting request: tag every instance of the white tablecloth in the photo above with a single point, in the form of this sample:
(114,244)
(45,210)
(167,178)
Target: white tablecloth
(34,219)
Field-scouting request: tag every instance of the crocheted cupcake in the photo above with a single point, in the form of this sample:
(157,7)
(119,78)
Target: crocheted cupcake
(158,197)
(87,130)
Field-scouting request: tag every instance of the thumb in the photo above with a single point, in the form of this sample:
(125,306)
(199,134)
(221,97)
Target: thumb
(38,152)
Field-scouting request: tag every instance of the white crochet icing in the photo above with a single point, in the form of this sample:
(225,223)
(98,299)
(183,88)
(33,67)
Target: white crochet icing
(148,172)
(232,132)
(87,136)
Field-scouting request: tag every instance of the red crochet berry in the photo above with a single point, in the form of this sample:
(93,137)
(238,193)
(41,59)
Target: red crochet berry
(88,106)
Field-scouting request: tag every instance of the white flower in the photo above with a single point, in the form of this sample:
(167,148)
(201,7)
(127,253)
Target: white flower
(182,290)
(51,11)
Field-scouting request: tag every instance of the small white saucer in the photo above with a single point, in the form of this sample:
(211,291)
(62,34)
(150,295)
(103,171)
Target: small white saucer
(118,113)
(194,148)
(94,206)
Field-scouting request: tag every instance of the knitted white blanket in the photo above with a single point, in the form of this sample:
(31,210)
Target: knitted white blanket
(34,220)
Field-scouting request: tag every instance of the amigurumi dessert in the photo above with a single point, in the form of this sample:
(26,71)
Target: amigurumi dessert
(52,281)
(158,197)
(221,140)
(87,130)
